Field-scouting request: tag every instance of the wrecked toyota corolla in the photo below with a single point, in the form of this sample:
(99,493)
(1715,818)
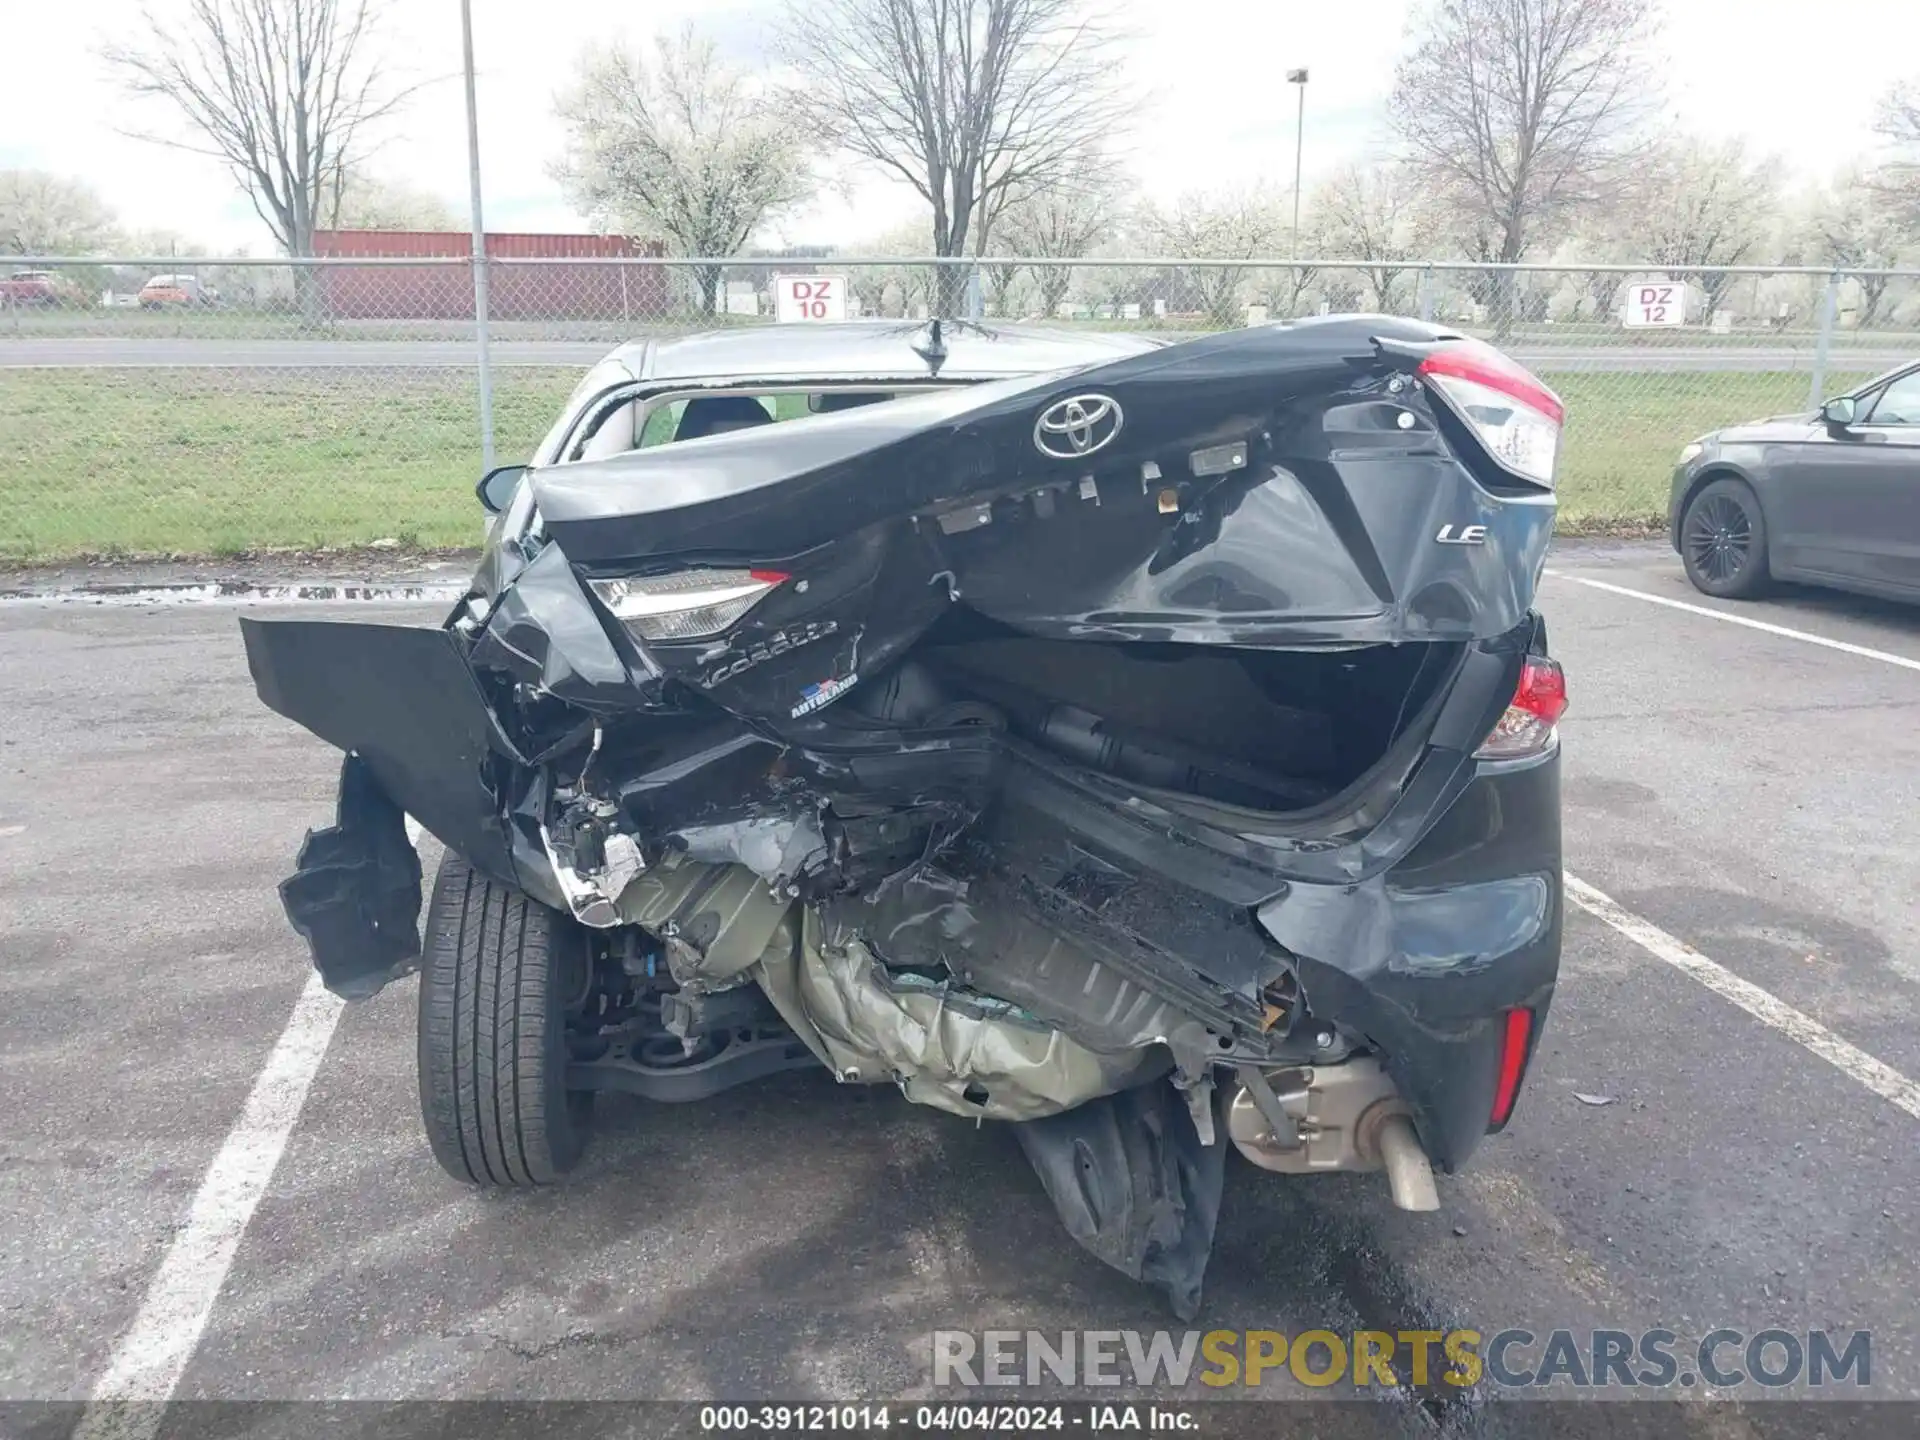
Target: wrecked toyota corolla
(1157,755)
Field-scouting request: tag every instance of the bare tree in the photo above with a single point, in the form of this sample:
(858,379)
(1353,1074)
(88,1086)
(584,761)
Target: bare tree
(43,214)
(682,147)
(1235,225)
(1376,212)
(283,92)
(974,103)
(1520,114)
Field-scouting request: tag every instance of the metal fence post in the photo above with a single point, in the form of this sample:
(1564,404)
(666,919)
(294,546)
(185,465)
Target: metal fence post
(479,247)
(1829,302)
(1426,294)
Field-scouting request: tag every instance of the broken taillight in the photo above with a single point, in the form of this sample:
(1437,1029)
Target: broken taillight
(688,604)
(1526,727)
(1513,415)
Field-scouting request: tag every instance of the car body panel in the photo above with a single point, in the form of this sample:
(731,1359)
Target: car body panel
(961,787)
(1841,503)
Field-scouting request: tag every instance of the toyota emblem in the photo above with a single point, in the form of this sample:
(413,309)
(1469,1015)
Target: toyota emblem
(1077,426)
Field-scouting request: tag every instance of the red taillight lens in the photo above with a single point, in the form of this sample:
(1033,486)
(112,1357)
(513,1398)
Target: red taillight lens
(1527,726)
(1516,417)
(1513,1062)
(688,604)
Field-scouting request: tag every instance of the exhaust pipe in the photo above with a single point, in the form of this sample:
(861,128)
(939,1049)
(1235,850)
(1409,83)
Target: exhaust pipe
(1409,1173)
(1332,1117)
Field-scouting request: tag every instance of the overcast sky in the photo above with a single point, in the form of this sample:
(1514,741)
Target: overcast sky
(1795,80)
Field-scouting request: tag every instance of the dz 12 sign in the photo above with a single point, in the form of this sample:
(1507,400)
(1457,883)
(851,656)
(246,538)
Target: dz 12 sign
(809,297)
(1659,302)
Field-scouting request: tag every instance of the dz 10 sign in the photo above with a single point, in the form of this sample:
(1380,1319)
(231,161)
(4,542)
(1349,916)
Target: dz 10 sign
(810,297)
(1658,303)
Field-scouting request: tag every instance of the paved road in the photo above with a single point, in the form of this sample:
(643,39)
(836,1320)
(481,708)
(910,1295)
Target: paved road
(104,351)
(1752,795)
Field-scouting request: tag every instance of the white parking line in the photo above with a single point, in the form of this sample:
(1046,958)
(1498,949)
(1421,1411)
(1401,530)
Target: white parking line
(151,1357)
(1765,1007)
(128,1401)
(1863,651)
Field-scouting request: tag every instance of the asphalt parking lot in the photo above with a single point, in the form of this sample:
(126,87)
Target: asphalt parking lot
(1678,1160)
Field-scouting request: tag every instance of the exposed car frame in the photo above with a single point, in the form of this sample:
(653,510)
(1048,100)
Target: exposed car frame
(1170,714)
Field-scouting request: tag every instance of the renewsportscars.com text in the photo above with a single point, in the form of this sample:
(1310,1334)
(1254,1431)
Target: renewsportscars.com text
(1723,1359)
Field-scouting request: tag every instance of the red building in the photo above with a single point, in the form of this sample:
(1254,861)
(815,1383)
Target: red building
(579,291)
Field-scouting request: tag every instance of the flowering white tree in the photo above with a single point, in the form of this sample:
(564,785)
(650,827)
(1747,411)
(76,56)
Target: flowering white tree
(680,147)
(1228,225)
(1855,228)
(1376,212)
(1060,222)
(360,201)
(43,214)
(1899,125)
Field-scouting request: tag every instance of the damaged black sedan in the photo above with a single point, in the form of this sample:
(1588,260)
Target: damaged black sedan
(1150,746)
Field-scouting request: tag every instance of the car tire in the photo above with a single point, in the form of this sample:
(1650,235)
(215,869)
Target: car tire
(496,974)
(1723,541)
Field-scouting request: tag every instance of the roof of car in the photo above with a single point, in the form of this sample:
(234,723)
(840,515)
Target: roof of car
(874,349)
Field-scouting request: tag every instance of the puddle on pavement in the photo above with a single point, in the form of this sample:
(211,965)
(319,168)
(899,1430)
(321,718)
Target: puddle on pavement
(232,592)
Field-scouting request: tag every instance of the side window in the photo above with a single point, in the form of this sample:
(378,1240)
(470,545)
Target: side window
(661,423)
(1899,403)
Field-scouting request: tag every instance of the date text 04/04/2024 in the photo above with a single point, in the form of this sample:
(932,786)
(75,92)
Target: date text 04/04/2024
(858,1419)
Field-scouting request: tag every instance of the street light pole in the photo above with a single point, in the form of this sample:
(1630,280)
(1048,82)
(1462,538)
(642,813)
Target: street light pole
(1298,77)
(479,242)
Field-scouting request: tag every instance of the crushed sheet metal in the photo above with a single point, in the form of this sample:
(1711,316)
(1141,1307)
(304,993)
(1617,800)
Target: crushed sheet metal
(592,904)
(968,1055)
(774,847)
(716,921)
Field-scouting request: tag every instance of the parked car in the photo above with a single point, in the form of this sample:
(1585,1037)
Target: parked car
(1830,498)
(1149,746)
(163,291)
(42,288)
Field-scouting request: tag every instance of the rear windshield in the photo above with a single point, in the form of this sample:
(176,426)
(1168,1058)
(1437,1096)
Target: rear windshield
(664,423)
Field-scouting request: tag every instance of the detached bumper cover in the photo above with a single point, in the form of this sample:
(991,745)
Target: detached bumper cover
(420,741)
(354,895)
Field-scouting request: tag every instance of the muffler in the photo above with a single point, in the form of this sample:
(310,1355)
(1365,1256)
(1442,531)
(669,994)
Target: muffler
(1307,1119)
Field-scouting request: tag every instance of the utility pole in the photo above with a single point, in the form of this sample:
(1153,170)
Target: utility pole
(1298,77)
(479,243)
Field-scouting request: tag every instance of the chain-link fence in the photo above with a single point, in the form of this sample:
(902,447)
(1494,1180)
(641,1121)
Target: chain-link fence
(220,406)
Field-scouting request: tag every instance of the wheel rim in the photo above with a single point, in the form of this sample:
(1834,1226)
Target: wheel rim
(1719,537)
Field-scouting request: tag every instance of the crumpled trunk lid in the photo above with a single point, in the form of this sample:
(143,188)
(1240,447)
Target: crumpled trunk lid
(1047,748)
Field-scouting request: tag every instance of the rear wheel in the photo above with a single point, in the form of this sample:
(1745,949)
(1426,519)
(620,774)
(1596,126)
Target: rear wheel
(1723,541)
(497,974)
